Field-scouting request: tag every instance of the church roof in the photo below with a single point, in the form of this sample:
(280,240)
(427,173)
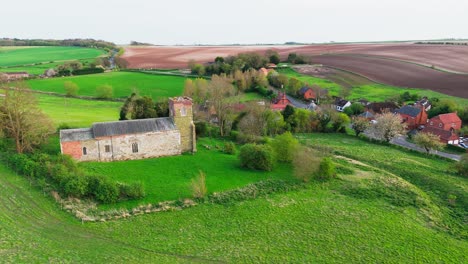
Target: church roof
(106,129)
(78,134)
(133,126)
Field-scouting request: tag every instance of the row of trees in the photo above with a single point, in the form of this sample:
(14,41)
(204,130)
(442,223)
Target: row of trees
(91,43)
(242,62)
(141,107)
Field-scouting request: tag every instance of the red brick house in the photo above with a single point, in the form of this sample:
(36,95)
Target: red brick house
(413,117)
(445,136)
(280,102)
(445,122)
(307,93)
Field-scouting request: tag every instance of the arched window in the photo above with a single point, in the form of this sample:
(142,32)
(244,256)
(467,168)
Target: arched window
(135,147)
(183,111)
(85,151)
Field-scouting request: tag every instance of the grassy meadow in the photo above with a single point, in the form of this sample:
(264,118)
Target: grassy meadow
(123,84)
(168,178)
(333,221)
(13,56)
(38,69)
(78,112)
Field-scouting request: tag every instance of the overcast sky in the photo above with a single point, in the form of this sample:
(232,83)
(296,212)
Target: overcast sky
(235,21)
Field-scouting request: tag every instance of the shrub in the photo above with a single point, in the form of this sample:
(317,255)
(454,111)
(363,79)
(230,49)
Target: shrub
(104,91)
(285,146)
(103,190)
(132,191)
(327,169)
(198,186)
(229,148)
(201,129)
(257,157)
(306,164)
(462,166)
(76,186)
(71,88)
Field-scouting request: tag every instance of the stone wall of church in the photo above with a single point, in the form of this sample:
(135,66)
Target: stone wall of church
(126,147)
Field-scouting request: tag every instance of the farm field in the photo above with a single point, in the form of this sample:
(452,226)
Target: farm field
(77,112)
(398,73)
(326,222)
(39,68)
(123,84)
(25,56)
(443,56)
(370,91)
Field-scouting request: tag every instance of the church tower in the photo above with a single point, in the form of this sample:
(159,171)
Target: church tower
(180,109)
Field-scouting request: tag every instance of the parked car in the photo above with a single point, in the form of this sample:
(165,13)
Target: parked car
(463,145)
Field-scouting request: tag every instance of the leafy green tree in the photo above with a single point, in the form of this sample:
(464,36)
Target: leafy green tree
(104,91)
(273,56)
(428,141)
(285,145)
(360,124)
(143,107)
(354,109)
(443,106)
(71,88)
(340,121)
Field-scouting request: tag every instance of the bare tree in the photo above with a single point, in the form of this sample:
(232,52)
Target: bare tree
(22,120)
(220,94)
(387,127)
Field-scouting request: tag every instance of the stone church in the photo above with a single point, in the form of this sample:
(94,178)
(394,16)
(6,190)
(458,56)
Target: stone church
(134,139)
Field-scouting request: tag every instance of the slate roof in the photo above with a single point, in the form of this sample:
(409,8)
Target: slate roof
(303,90)
(76,134)
(367,114)
(133,126)
(106,129)
(409,110)
(340,102)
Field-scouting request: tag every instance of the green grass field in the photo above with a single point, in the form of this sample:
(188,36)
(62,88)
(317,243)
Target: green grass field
(78,112)
(169,178)
(123,84)
(323,223)
(24,56)
(40,68)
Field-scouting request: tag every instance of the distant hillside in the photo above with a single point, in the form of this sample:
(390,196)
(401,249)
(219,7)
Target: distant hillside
(91,43)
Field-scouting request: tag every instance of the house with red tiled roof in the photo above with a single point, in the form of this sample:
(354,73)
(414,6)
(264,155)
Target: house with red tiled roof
(307,93)
(280,102)
(412,116)
(445,121)
(445,136)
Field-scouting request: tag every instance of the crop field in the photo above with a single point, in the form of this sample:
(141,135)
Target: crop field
(168,178)
(441,56)
(38,69)
(78,112)
(123,84)
(371,91)
(31,55)
(337,221)
(399,73)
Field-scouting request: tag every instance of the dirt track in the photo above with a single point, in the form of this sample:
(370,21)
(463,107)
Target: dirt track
(399,73)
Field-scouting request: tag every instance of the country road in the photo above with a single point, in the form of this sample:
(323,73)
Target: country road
(401,141)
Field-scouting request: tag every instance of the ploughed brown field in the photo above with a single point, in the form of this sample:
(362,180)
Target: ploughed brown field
(399,73)
(393,64)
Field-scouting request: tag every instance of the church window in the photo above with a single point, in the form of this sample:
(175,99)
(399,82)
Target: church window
(135,147)
(107,148)
(183,111)
(85,151)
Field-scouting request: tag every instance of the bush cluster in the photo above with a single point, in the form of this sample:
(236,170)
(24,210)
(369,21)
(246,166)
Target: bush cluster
(63,174)
(257,157)
(253,191)
(229,148)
